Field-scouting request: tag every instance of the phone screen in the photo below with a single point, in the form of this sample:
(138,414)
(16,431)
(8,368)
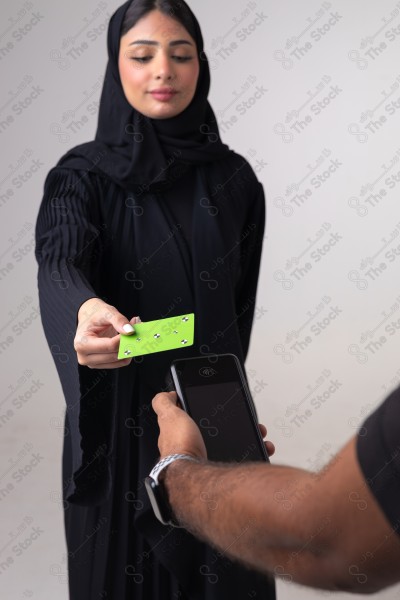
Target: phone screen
(222,410)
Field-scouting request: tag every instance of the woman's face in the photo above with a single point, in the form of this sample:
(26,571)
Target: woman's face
(158,66)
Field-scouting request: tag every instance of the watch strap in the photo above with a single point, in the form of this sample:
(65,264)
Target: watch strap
(167,460)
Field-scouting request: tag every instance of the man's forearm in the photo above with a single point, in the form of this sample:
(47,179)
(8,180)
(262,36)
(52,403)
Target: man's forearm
(325,530)
(249,516)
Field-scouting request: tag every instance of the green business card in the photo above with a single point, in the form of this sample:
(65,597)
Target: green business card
(158,336)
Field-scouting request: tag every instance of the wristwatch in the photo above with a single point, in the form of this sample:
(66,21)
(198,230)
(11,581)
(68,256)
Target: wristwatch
(156,491)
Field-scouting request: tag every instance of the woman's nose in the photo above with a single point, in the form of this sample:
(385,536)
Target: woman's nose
(164,68)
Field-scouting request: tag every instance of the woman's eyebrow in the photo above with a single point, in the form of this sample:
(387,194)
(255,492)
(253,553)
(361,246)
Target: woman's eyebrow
(153,43)
(180,42)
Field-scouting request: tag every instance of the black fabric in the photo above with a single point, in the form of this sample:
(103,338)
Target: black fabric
(113,225)
(178,201)
(97,239)
(378,450)
(142,153)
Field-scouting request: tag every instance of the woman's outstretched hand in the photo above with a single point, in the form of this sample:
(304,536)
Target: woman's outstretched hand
(97,336)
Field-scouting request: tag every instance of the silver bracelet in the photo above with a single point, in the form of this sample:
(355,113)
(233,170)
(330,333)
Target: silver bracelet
(167,460)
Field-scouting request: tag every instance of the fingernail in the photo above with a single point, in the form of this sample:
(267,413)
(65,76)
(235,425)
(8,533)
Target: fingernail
(128,328)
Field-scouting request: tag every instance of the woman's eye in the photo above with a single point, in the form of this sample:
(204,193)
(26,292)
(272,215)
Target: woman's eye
(182,58)
(148,58)
(142,59)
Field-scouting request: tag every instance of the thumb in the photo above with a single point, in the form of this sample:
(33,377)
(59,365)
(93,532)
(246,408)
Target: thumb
(100,314)
(120,323)
(163,402)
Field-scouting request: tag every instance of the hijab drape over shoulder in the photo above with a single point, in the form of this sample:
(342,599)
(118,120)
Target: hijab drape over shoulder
(134,150)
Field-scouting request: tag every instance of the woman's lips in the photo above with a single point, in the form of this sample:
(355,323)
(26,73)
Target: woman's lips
(163,95)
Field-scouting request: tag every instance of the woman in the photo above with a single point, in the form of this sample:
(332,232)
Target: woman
(155,217)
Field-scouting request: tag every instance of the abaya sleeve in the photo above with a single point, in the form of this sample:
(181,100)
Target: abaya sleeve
(68,251)
(251,250)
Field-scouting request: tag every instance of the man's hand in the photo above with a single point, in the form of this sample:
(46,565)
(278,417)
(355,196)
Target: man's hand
(179,434)
(269,445)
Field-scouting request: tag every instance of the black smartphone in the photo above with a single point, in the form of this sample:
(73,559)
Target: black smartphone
(213,390)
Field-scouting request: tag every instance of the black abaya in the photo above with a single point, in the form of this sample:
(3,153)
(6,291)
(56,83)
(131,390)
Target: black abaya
(94,238)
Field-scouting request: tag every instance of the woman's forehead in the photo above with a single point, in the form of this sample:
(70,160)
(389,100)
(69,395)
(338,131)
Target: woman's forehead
(158,28)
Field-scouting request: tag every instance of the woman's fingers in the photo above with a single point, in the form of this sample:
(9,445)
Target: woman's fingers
(97,337)
(110,365)
(270,448)
(97,314)
(88,344)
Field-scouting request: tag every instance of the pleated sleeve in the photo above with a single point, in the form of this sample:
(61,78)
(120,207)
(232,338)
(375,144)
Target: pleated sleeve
(69,252)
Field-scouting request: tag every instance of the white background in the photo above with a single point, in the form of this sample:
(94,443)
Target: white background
(309,92)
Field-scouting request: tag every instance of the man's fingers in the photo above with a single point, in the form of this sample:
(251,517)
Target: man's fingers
(270,448)
(163,402)
(263,430)
(269,445)
(178,432)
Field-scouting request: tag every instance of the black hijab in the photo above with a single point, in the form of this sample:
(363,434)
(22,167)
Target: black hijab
(139,152)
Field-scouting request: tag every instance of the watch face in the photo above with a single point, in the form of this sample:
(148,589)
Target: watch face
(158,501)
